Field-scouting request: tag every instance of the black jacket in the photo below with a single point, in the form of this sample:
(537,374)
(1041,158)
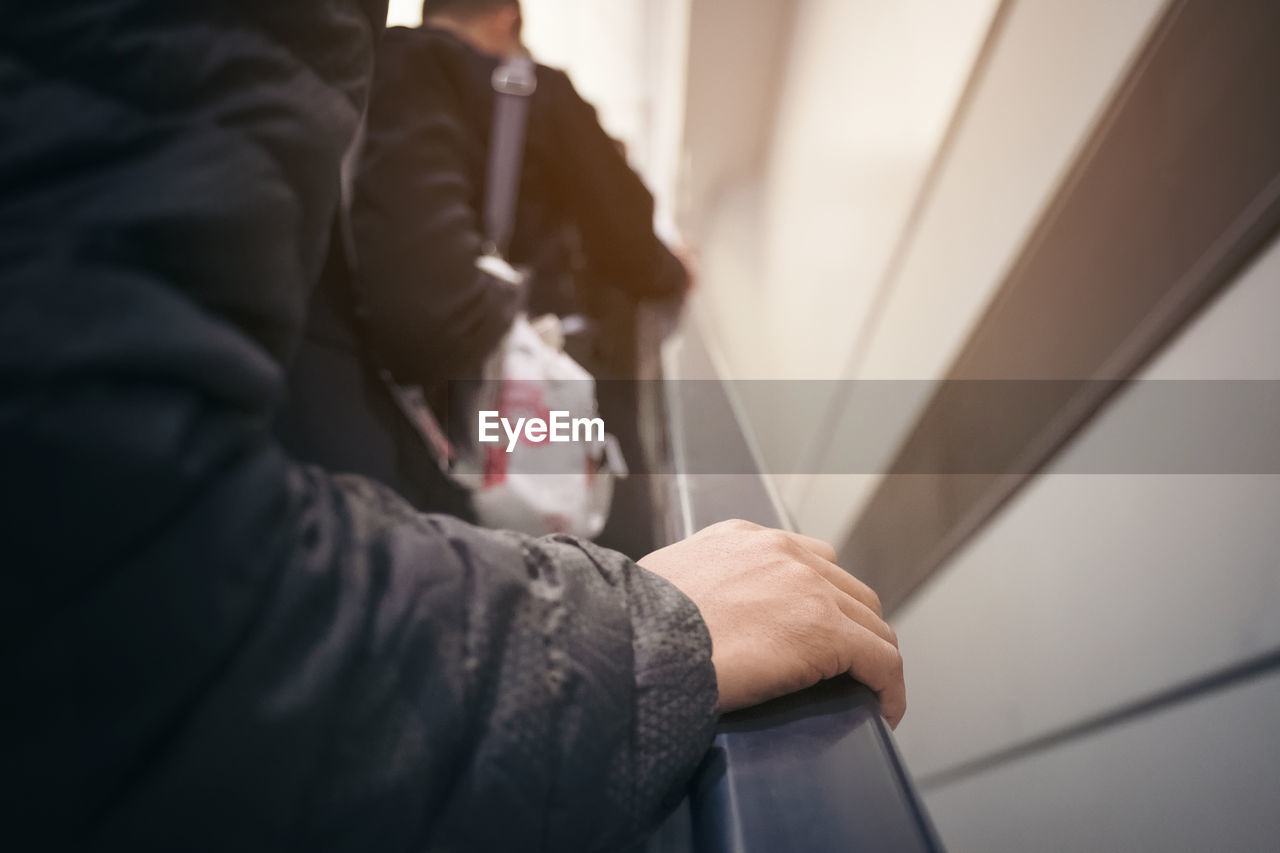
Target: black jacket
(420,308)
(205,645)
(419,199)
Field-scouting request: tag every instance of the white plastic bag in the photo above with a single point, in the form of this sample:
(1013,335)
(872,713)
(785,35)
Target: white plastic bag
(540,486)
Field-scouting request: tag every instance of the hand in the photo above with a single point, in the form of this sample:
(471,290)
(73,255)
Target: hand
(782,615)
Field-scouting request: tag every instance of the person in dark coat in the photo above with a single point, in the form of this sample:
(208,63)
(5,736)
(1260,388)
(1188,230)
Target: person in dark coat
(208,646)
(420,308)
(584,220)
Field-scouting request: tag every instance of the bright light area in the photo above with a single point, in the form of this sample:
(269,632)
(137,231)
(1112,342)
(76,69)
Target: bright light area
(404,13)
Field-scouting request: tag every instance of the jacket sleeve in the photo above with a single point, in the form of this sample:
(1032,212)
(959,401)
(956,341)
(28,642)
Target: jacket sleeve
(417,232)
(207,646)
(606,198)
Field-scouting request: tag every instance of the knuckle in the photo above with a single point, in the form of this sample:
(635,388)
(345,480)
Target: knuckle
(774,539)
(824,549)
(813,609)
(798,573)
(732,525)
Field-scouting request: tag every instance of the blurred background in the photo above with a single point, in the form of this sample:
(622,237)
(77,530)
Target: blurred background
(1095,663)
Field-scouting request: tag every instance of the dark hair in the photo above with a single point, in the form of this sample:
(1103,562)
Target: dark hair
(464,8)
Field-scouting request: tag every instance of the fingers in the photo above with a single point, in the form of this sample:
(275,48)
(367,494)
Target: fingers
(849,585)
(826,564)
(876,659)
(878,665)
(816,546)
(825,553)
(854,609)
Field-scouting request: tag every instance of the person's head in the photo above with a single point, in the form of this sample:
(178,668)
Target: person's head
(490,26)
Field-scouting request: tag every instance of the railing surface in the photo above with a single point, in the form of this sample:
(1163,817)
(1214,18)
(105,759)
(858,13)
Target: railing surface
(814,771)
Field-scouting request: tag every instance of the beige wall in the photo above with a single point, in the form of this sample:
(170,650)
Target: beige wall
(1089,592)
(1052,68)
(859,102)
(820,120)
